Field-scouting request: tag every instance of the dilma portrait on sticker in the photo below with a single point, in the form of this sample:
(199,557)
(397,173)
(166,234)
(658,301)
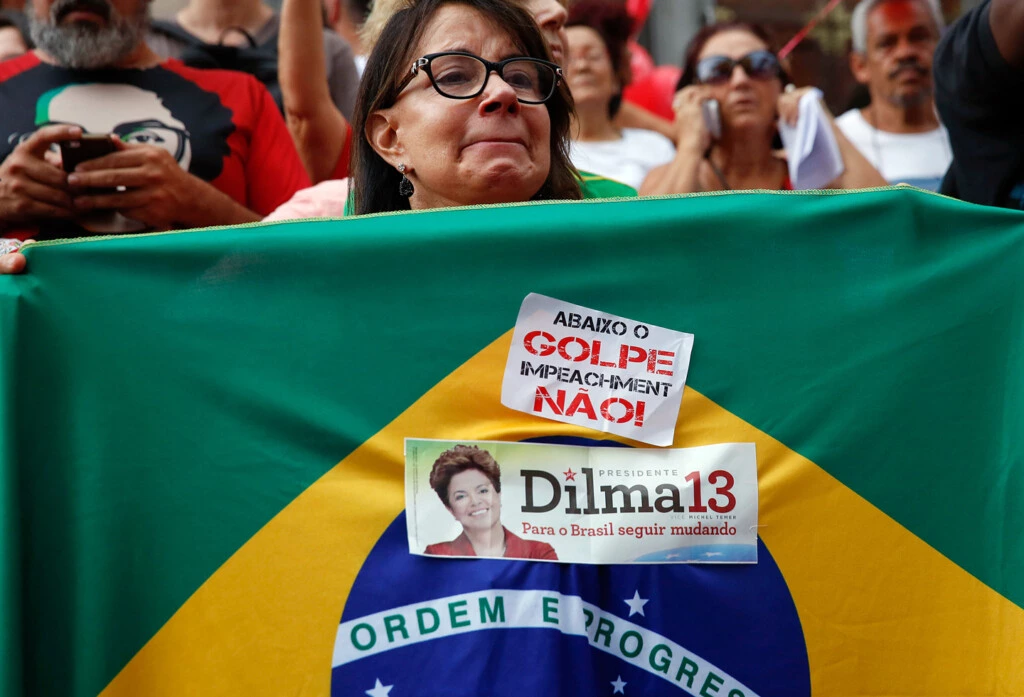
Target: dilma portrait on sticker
(468,481)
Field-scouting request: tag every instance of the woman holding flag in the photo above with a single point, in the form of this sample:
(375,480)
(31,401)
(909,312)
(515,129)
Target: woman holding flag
(460,104)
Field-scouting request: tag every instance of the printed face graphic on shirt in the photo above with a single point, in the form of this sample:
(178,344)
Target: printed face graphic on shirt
(133,114)
(189,114)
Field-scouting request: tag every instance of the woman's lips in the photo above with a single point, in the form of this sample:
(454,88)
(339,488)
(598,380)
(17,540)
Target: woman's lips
(743,102)
(498,142)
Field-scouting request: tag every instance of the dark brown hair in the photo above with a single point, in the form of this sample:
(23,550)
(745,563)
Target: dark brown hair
(613,24)
(374,181)
(458,460)
(693,50)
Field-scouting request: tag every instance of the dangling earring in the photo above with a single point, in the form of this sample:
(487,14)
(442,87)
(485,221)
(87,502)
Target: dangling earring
(404,186)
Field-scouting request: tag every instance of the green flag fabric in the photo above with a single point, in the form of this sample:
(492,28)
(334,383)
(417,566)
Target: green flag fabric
(203,476)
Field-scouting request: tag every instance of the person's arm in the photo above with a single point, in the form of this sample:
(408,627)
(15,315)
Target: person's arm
(273,169)
(325,200)
(632,116)
(1006,18)
(342,73)
(858,173)
(682,174)
(318,128)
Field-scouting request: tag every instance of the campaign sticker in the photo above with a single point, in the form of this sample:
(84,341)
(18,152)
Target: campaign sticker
(609,373)
(582,504)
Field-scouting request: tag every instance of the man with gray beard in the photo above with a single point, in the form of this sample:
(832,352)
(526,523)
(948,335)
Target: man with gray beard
(190,148)
(78,41)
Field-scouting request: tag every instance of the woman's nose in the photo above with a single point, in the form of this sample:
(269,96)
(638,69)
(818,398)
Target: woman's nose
(739,75)
(499,95)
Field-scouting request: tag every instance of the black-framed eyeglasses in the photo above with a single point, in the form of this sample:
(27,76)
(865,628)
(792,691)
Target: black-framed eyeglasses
(760,65)
(460,75)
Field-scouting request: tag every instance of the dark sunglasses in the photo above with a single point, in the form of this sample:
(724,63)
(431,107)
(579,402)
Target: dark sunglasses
(760,65)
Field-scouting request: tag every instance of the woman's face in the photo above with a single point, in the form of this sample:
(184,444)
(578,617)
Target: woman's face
(473,500)
(589,70)
(745,102)
(488,149)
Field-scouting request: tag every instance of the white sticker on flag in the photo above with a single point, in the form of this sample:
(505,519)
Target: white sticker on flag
(580,366)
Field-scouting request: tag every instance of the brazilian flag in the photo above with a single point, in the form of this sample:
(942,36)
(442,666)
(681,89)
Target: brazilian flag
(202,453)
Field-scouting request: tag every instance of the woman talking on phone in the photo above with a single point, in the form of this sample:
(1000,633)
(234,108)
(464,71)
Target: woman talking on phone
(730,99)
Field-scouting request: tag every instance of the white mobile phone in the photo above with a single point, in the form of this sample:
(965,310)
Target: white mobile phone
(712,117)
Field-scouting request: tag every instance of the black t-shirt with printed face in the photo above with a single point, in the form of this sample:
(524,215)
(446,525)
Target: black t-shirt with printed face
(218,125)
(980,98)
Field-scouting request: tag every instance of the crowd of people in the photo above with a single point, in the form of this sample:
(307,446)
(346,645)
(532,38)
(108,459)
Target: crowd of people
(231,113)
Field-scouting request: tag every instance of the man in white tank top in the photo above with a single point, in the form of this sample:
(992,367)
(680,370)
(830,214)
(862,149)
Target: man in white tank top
(899,132)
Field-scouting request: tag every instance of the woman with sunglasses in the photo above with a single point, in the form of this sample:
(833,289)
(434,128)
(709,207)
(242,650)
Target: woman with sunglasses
(731,63)
(460,105)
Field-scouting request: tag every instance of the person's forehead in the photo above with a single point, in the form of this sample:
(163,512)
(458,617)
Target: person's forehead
(9,31)
(894,15)
(734,43)
(459,27)
(11,43)
(471,476)
(123,104)
(535,7)
(583,37)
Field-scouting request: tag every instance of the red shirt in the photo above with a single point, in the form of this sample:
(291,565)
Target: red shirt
(515,548)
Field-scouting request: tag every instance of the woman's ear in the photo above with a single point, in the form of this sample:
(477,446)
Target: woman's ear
(382,135)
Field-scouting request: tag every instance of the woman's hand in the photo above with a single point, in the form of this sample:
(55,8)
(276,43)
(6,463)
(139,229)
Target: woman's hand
(858,172)
(693,139)
(13,262)
(788,105)
(692,134)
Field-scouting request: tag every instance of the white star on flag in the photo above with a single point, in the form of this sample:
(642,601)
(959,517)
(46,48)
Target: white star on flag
(380,690)
(636,604)
(620,686)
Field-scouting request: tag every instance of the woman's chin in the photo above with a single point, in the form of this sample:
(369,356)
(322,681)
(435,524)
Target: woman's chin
(750,122)
(496,180)
(506,181)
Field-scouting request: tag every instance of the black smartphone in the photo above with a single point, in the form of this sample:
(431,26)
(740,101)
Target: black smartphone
(88,147)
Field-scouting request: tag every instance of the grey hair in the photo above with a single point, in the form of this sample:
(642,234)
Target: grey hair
(859,20)
(86,47)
